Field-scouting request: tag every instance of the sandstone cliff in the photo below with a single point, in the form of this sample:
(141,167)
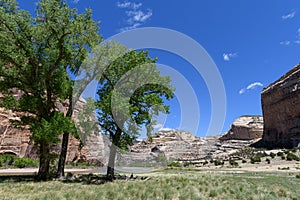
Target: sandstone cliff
(245,128)
(17,141)
(281,111)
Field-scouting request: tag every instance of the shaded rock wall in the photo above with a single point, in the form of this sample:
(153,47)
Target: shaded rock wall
(17,141)
(245,128)
(281,111)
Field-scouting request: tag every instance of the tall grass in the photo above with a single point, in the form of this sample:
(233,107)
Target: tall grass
(164,185)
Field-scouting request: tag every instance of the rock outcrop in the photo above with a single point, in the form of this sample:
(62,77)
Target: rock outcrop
(17,141)
(281,111)
(174,145)
(245,128)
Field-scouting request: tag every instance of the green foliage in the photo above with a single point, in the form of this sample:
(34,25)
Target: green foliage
(268,160)
(174,164)
(25,162)
(233,163)
(272,155)
(37,53)
(290,156)
(255,159)
(218,162)
(297,175)
(280,153)
(7,159)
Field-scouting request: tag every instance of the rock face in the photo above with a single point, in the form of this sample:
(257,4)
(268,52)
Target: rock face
(281,110)
(245,128)
(178,146)
(17,141)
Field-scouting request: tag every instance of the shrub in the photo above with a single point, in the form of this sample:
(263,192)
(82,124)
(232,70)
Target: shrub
(174,164)
(268,161)
(283,157)
(280,154)
(290,156)
(7,159)
(244,161)
(233,163)
(25,162)
(298,176)
(272,155)
(218,162)
(255,159)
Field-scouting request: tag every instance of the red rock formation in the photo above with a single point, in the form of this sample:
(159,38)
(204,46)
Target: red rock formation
(17,141)
(281,110)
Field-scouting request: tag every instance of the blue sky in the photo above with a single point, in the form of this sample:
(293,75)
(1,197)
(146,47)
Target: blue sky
(252,43)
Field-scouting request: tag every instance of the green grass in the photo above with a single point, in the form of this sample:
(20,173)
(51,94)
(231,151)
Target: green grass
(166,184)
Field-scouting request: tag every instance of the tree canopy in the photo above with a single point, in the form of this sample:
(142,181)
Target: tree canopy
(36,54)
(130,88)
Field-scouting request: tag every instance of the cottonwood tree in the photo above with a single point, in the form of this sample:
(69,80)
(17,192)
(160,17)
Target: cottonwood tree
(129,89)
(37,55)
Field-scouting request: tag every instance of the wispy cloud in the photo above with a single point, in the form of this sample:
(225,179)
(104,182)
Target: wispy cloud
(158,126)
(228,56)
(251,86)
(136,16)
(286,42)
(76,1)
(130,5)
(289,15)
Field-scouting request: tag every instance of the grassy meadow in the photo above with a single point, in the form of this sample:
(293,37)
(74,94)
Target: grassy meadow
(165,184)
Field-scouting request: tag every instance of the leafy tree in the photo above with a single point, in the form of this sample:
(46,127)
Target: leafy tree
(130,88)
(36,54)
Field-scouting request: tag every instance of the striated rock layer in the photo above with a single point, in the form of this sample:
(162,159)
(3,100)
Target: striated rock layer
(17,141)
(281,111)
(245,128)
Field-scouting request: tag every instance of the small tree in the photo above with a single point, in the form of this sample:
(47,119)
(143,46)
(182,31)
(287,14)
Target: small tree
(130,88)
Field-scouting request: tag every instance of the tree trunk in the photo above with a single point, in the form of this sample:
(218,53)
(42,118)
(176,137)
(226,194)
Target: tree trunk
(64,147)
(110,175)
(63,156)
(44,166)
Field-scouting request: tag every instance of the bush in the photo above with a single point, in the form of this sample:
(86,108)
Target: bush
(25,162)
(244,161)
(255,159)
(280,154)
(268,161)
(218,162)
(233,163)
(298,176)
(290,156)
(7,159)
(272,155)
(174,164)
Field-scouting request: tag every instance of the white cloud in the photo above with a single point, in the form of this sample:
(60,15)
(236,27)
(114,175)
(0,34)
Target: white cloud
(251,86)
(228,56)
(286,42)
(135,15)
(76,1)
(158,126)
(138,16)
(129,5)
(288,16)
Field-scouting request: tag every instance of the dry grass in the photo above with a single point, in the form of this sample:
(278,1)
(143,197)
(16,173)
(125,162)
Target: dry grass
(167,184)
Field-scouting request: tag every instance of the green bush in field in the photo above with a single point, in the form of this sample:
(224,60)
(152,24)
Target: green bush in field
(290,156)
(7,159)
(25,162)
(280,154)
(298,176)
(255,159)
(272,155)
(174,164)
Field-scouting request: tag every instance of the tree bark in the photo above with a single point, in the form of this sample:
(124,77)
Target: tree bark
(44,166)
(110,174)
(64,146)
